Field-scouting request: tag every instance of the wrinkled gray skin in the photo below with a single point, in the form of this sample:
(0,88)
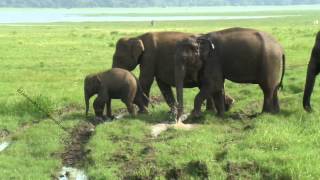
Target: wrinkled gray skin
(313,71)
(115,83)
(237,54)
(154,52)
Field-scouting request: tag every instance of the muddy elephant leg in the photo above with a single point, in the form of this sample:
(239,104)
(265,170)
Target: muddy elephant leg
(219,101)
(167,94)
(310,80)
(98,106)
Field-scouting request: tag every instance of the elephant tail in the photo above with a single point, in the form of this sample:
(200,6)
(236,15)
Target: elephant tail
(280,86)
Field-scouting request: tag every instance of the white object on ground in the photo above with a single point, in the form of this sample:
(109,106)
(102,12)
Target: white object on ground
(4,145)
(159,128)
(183,117)
(120,116)
(69,173)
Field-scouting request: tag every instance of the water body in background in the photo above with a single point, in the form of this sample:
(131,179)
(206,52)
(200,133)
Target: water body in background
(14,15)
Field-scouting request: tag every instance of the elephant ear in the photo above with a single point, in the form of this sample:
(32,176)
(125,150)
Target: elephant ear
(136,48)
(206,47)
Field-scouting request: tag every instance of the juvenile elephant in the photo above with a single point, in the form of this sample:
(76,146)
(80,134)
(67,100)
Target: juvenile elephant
(313,71)
(237,54)
(115,83)
(154,52)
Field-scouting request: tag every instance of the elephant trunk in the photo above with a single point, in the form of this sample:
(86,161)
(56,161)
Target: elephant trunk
(310,80)
(179,78)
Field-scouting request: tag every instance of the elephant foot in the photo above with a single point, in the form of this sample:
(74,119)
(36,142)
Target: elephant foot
(99,119)
(143,111)
(271,111)
(173,114)
(195,114)
(112,117)
(308,109)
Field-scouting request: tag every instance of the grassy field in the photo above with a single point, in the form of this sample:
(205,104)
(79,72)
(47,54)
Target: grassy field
(49,61)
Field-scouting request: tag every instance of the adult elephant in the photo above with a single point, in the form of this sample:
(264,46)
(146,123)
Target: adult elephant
(237,54)
(313,71)
(154,52)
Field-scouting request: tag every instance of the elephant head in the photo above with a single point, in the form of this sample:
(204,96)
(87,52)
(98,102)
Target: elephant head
(92,86)
(127,54)
(313,70)
(187,64)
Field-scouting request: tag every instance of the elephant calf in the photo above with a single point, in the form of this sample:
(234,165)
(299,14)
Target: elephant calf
(313,71)
(115,83)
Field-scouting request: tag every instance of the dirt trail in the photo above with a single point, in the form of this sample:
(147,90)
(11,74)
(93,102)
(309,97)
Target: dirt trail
(75,152)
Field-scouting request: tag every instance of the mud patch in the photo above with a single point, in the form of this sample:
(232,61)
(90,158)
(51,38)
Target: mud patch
(75,153)
(137,164)
(244,115)
(194,169)
(4,133)
(249,169)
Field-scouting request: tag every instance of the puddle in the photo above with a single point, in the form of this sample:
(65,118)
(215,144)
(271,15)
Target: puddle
(69,173)
(157,129)
(4,145)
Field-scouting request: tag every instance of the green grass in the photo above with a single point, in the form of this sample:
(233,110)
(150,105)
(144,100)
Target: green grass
(50,62)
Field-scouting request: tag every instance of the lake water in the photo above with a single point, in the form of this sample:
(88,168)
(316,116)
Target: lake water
(43,17)
(13,15)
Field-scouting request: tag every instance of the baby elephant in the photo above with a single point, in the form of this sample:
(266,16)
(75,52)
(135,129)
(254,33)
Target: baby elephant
(115,83)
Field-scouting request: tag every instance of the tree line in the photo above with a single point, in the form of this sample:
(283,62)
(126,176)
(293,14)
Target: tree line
(144,3)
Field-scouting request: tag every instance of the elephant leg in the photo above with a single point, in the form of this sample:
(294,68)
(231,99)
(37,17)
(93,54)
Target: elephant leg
(98,106)
(129,100)
(130,108)
(109,112)
(268,99)
(276,106)
(310,80)
(219,101)
(200,97)
(146,80)
(142,108)
(210,104)
(167,94)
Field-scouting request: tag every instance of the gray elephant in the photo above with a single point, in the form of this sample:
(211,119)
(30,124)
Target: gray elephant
(237,54)
(313,71)
(115,83)
(154,52)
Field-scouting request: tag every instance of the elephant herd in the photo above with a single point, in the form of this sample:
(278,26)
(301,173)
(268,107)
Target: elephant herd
(184,60)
